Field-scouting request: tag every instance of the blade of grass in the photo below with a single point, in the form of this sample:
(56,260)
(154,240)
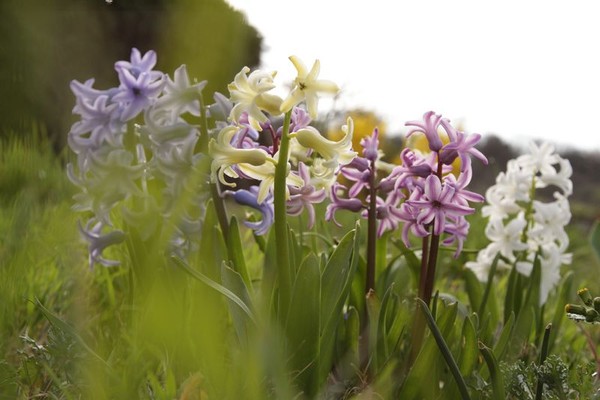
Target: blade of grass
(495,374)
(543,354)
(69,330)
(214,285)
(439,338)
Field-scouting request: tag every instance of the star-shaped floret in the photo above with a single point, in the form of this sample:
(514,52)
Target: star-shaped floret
(307,87)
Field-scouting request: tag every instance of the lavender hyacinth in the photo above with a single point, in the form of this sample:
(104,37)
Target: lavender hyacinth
(136,161)
(419,194)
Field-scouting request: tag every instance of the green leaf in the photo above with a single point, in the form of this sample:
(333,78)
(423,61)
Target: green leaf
(595,238)
(351,349)
(495,373)
(304,324)
(373,312)
(214,285)
(69,331)
(337,276)
(566,290)
(474,290)
(212,250)
(445,350)
(387,313)
(510,293)
(236,252)
(469,351)
(233,280)
(336,282)
(505,337)
(428,363)
(488,286)
(413,262)
(269,278)
(543,354)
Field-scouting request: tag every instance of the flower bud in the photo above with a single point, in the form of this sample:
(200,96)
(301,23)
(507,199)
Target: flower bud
(597,304)
(575,309)
(591,315)
(585,296)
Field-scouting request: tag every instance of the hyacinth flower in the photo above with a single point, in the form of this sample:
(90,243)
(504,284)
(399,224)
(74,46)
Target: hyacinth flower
(249,197)
(421,195)
(251,148)
(523,228)
(307,87)
(136,165)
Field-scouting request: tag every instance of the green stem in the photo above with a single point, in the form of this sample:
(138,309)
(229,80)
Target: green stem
(214,190)
(281,228)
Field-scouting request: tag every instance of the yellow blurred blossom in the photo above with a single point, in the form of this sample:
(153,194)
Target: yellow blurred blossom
(364,123)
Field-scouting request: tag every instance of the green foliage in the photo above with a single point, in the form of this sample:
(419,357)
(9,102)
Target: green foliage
(210,328)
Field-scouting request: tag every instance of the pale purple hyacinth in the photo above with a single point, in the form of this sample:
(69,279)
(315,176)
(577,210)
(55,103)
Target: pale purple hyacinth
(370,146)
(179,95)
(359,172)
(117,158)
(249,197)
(139,64)
(299,119)
(461,145)
(137,92)
(436,203)
(341,203)
(421,194)
(429,126)
(99,121)
(388,214)
(410,214)
(304,197)
(99,241)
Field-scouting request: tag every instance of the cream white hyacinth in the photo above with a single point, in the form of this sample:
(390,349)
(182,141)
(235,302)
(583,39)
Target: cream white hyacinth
(521,226)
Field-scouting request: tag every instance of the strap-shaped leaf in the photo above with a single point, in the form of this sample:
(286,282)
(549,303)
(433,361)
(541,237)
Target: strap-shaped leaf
(445,350)
(233,280)
(303,325)
(236,251)
(214,285)
(469,354)
(68,330)
(495,373)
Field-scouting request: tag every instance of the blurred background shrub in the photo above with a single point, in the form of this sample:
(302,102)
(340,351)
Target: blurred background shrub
(44,44)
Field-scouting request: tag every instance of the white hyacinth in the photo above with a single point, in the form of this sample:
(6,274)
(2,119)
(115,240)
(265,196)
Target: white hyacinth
(521,226)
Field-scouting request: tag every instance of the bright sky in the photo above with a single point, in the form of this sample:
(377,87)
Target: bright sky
(519,69)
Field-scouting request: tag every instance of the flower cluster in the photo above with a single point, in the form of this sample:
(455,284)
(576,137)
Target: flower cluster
(421,194)
(135,154)
(521,227)
(248,147)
